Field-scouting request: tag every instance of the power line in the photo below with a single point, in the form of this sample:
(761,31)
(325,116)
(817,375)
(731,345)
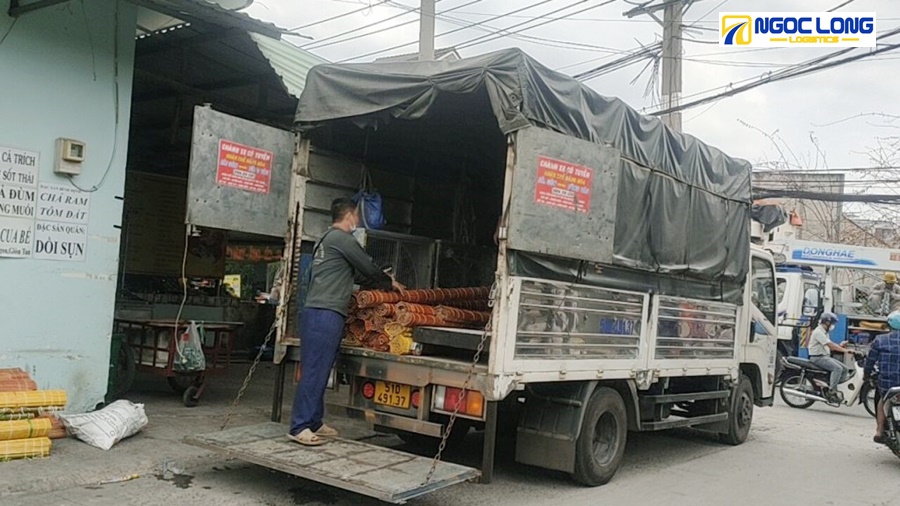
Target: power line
(828,170)
(318,44)
(808,67)
(339,16)
(465,44)
(505,32)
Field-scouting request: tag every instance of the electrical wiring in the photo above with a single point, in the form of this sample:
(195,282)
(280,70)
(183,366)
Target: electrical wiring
(320,43)
(804,68)
(400,46)
(339,16)
(505,32)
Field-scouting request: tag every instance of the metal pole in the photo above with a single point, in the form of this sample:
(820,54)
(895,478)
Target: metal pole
(278,394)
(426,30)
(671,64)
(490,443)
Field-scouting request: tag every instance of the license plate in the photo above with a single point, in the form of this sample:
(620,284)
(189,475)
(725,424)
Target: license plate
(896,410)
(394,395)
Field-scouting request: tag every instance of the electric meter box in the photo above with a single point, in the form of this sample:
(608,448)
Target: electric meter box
(69,156)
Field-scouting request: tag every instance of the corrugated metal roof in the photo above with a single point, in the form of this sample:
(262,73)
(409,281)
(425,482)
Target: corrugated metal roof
(202,11)
(288,61)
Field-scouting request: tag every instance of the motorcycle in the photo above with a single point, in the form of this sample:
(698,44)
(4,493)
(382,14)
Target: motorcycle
(804,383)
(892,422)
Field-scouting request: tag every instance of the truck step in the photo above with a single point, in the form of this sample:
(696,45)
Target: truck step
(684,422)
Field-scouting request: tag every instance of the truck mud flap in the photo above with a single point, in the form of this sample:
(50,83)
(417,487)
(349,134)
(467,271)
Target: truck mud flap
(388,475)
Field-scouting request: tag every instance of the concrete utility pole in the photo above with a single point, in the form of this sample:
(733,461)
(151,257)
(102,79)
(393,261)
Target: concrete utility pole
(426,30)
(670,82)
(671,64)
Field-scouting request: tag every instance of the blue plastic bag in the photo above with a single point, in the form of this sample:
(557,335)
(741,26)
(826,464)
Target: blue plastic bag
(370,209)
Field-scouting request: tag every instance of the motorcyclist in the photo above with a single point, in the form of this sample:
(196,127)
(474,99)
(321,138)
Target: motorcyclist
(887,288)
(820,349)
(885,352)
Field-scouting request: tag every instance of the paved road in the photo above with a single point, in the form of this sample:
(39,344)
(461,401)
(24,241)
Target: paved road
(817,457)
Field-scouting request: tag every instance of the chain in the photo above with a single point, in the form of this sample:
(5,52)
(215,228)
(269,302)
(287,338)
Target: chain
(461,398)
(240,394)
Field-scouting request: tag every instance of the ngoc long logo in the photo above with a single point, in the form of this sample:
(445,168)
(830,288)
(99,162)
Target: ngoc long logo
(737,30)
(793,29)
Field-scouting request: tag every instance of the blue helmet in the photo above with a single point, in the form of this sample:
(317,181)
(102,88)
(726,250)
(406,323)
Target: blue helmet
(893,320)
(828,317)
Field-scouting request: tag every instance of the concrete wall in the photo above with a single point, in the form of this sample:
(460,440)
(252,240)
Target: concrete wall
(62,67)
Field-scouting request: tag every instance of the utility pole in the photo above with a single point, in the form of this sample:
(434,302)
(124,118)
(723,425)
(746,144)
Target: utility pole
(670,81)
(671,64)
(426,30)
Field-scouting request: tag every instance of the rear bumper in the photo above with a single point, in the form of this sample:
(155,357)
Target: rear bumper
(388,420)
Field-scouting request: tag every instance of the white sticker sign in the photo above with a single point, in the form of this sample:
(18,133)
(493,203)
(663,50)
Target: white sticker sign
(63,204)
(60,241)
(19,166)
(17,201)
(16,237)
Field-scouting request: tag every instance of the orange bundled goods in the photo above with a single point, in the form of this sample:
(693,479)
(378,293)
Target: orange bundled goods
(57,429)
(16,380)
(431,296)
(423,320)
(451,314)
(385,310)
(409,307)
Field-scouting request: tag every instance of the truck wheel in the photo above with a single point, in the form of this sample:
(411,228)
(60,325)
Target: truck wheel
(601,444)
(740,414)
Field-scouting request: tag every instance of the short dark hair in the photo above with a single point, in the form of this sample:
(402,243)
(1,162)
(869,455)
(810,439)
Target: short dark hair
(340,208)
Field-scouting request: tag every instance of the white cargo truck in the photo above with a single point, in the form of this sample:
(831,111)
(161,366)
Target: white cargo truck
(625,292)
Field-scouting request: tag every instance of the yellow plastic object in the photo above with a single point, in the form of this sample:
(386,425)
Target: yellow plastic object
(33,399)
(23,429)
(25,448)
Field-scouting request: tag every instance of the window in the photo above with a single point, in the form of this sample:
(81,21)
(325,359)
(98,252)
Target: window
(782,285)
(810,299)
(763,286)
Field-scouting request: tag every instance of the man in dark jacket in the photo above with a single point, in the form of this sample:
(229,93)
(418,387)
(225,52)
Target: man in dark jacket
(337,260)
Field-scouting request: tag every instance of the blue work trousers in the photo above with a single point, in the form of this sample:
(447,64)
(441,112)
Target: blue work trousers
(321,332)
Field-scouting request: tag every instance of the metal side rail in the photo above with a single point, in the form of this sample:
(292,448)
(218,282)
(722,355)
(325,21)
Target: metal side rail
(385,474)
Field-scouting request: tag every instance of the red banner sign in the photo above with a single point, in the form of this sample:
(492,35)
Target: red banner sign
(244,167)
(564,185)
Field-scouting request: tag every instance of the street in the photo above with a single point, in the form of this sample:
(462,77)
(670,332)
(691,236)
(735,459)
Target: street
(818,456)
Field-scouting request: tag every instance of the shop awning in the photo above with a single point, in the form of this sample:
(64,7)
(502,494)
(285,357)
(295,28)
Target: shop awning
(289,62)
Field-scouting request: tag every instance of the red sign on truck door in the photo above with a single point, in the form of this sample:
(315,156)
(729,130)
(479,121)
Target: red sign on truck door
(244,167)
(564,185)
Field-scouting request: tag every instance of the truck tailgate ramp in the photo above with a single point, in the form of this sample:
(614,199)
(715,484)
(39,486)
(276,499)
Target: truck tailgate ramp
(389,475)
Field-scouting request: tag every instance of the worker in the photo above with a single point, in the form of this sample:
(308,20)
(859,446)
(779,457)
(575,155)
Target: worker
(885,352)
(337,257)
(820,349)
(888,287)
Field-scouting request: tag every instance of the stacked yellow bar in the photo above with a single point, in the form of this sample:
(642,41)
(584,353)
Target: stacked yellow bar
(25,448)
(24,422)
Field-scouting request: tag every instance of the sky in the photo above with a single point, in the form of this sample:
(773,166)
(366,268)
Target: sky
(822,106)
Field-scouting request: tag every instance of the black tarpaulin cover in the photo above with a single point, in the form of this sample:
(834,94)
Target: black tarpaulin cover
(683,206)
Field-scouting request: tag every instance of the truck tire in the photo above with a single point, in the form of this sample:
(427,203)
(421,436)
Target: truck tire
(601,444)
(740,414)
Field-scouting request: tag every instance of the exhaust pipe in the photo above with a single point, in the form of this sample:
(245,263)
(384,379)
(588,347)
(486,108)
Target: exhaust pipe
(798,393)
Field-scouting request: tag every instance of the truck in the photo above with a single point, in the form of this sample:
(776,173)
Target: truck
(625,293)
(806,287)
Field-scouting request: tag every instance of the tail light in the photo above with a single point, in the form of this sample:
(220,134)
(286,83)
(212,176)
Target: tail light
(368,390)
(471,402)
(414,399)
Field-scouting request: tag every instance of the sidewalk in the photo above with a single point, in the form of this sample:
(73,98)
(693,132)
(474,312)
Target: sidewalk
(158,449)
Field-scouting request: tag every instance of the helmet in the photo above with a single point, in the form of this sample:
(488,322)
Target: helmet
(894,320)
(832,318)
(890,277)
